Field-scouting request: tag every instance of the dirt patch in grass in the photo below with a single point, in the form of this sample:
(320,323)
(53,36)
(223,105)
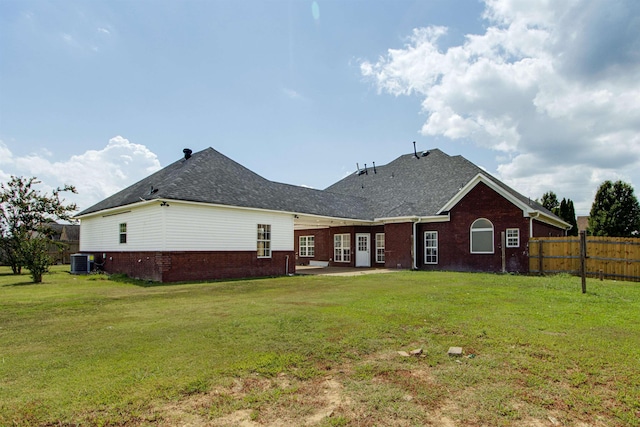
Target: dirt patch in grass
(395,395)
(379,389)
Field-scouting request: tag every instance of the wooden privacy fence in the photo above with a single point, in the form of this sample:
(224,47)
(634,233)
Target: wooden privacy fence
(605,257)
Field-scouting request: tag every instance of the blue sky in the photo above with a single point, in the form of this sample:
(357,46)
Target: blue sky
(99,94)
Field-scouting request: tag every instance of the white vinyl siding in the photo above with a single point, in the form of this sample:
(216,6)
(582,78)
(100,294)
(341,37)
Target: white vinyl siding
(185,227)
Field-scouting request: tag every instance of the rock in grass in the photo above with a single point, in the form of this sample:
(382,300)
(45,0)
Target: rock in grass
(403,353)
(455,351)
(416,352)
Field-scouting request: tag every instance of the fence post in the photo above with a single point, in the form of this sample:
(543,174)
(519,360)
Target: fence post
(540,272)
(583,260)
(503,244)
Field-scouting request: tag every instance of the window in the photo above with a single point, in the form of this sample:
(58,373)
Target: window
(430,247)
(482,237)
(380,248)
(513,237)
(264,241)
(342,248)
(307,246)
(123,232)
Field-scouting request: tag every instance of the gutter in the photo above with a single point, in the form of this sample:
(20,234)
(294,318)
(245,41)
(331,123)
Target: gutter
(542,217)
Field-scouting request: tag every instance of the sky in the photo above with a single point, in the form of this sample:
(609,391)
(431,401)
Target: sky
(542,94)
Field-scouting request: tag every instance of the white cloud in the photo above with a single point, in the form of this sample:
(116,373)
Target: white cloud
(551,85)
(96,174)
(5,154)
(292,94)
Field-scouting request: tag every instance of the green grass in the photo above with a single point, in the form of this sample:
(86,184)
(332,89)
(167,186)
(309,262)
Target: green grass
(86,350)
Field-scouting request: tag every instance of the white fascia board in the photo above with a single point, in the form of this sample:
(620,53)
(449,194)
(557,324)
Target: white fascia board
(556,222)
(397,219)
(336,220)
(527,211)
(435,218)
(310,221)
(401,219)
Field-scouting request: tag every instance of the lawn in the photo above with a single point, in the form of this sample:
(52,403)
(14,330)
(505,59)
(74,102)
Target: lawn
(319,351)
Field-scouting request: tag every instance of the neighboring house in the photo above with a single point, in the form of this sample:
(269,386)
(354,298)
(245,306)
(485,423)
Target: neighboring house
(69,236)
(583,223)
(207,217)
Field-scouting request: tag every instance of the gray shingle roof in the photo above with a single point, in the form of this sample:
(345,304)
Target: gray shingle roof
(405,187)
(410,186)
(210,177)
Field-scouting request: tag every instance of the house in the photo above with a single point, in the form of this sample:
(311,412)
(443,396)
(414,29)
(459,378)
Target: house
(69,236)
(207,217)
(583,223)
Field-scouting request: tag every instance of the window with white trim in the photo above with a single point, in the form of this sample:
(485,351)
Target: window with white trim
(513,237)
(307,246)
(430,247)
(380,248)
(342,248)
(264,240)
(123,232)
(482,236)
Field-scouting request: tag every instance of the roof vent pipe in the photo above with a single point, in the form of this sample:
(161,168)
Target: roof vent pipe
(187,153)
(415,152)
(374,168)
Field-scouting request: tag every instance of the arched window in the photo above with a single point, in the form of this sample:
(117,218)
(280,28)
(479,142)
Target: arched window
(481,236)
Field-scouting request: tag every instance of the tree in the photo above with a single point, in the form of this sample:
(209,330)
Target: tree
(564,210)
(26,215)
(568,214)
(550,201)
(615,211)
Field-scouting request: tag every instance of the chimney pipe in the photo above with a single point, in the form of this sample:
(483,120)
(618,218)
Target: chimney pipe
(187,153)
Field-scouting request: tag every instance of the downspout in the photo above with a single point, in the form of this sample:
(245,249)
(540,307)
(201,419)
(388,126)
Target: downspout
(537,214)
(415,245)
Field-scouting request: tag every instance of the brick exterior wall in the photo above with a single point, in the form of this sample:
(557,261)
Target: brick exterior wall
(323,250)
(324,244)
(196,265)
(398,245)
(540,229)
(454,237)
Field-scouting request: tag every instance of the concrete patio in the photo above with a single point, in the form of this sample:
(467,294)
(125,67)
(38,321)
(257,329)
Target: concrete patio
(340,271)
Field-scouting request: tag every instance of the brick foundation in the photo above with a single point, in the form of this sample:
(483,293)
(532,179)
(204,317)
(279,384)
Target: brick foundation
(193,266)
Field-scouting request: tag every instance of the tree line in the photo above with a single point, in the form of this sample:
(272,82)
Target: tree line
(615,211)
